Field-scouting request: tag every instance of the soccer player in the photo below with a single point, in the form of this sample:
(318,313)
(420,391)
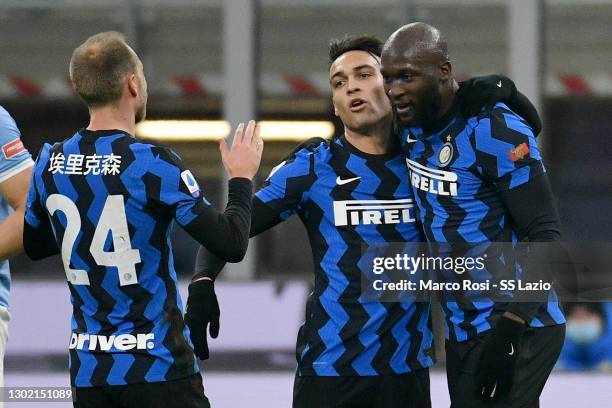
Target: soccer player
(476,180)
(109,202)
(15,172)
(350,352)
(349,191)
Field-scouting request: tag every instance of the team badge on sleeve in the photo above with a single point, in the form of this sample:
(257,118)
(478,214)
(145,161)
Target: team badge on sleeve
(13,148)
(519,152)
(191,183)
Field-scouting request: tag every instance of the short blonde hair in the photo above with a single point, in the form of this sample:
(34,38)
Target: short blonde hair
(98,68)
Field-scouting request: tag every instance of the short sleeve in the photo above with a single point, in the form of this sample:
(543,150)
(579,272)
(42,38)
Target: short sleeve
(35,214)
(176,189)
(288,184)
(14,157)
(506,150)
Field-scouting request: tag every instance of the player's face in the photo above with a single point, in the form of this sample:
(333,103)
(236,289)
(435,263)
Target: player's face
(413,86)
(141,108)
(357,91)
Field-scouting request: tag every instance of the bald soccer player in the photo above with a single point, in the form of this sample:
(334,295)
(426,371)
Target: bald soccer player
(477,180)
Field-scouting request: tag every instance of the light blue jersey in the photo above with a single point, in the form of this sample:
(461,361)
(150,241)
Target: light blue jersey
(14,158)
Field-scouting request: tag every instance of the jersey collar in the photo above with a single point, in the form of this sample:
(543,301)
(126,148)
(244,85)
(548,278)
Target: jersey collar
(94,134)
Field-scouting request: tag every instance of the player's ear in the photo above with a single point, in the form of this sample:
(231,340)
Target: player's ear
(132,83)
(446,71)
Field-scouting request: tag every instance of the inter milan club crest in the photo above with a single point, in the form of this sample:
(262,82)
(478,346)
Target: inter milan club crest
(445,155)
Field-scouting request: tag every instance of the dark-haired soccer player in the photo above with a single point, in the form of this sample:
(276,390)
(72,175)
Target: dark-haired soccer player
(349,191)
(109,202)
(477,179)
(350,352)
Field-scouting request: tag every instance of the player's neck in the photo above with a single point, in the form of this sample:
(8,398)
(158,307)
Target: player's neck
(447,99)
(111,117)
(377,140)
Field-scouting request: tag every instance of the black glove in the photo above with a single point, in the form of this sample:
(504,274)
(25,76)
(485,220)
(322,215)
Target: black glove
(495,370)
(485,91)
(202,309)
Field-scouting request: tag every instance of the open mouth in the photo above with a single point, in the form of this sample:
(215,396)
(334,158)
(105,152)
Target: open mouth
(403,107)
(357,105)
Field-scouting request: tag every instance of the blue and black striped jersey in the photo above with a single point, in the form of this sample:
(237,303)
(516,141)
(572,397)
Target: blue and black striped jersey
(110,201)
(345,199)
(456,174)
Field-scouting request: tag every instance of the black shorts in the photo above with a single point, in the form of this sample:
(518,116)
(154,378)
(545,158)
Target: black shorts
(185,393)
(539,351)
(410,390)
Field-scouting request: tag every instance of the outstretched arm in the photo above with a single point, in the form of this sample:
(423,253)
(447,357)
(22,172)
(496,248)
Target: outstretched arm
(282,194)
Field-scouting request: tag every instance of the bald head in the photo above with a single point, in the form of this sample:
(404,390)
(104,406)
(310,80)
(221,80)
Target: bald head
(418,74)
(418,41)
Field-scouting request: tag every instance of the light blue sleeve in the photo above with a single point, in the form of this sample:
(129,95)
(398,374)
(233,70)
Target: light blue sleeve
(14,157)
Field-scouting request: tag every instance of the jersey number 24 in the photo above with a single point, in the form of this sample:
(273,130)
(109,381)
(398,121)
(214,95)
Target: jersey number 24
(113,220)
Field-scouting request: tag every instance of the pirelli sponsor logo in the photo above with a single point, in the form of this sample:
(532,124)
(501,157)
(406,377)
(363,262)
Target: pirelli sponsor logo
(377,212)
(439,182)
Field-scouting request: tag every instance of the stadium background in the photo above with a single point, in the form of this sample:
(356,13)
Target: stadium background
(237,59)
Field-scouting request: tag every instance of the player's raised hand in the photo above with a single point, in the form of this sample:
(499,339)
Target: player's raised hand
(244,157)
(202,310)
